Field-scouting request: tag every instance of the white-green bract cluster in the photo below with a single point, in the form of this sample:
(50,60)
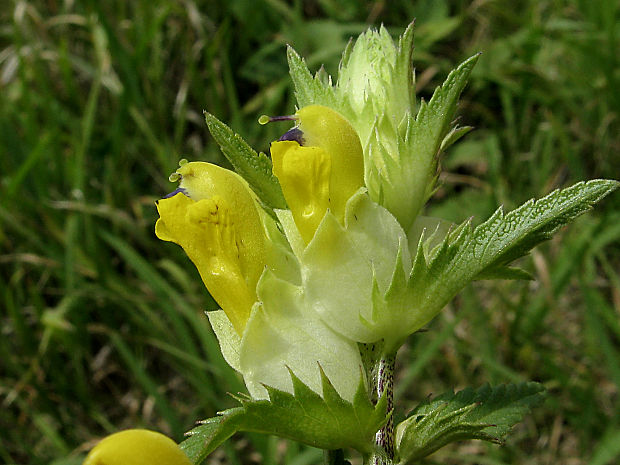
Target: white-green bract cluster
(375,91)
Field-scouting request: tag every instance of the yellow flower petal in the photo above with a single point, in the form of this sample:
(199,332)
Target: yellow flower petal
(325,128)
(137,447)
(304,174)
(323,173)
(221,232)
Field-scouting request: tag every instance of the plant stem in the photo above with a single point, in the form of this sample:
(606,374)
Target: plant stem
(334,457)
(384,438)
(380,371)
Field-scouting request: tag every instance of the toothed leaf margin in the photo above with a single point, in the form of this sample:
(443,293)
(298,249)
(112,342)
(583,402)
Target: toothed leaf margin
(205,438)
(487,413)
(326,422)
(310,90)
(486,251)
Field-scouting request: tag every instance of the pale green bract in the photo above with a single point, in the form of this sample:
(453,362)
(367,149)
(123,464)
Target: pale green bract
(326,421)
(341,263)
(284,334)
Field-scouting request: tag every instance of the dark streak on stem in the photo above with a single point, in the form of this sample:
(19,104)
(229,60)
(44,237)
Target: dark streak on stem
(380,375)
(384,438)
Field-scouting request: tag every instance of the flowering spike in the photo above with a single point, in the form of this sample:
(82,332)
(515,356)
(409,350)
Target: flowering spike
(319,290)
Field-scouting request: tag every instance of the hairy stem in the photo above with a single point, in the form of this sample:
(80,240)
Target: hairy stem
(385,384)
(380,372)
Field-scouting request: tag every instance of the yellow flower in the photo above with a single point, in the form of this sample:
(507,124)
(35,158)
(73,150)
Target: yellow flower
(265,328)
(137,447)
(322,173)
(215,219)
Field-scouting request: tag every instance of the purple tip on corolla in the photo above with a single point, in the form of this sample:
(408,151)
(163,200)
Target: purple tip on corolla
(294,134)
(175,192)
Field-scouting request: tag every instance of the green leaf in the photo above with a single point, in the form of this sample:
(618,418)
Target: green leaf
(506,237)
(432,123)
(453,136)
(487,413)
(403,76)
(328,422)
(486,251)
(211,433)
(310,90)
(254,168)
(504,272)
(434,118)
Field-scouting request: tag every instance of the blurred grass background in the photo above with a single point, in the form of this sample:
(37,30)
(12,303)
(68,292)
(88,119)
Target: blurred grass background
(102,324)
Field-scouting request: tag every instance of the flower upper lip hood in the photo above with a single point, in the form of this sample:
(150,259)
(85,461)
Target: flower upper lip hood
(324,172)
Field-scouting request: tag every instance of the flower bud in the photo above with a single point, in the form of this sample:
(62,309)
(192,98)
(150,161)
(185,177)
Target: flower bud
(376,78)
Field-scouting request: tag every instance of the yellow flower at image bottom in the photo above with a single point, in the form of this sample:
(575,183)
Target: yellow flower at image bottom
(137,447)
